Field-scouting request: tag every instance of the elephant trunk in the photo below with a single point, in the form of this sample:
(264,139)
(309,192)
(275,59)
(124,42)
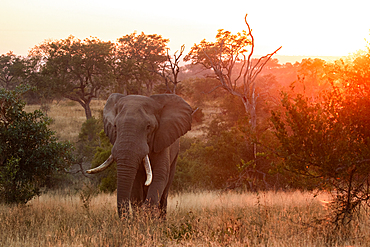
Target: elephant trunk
(126,173)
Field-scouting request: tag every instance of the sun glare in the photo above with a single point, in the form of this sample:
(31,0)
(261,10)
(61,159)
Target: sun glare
(302,28)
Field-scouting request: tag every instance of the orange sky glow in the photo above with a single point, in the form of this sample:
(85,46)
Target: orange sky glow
(312,28)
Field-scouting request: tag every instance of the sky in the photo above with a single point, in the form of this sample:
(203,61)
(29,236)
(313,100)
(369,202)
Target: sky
(310,28)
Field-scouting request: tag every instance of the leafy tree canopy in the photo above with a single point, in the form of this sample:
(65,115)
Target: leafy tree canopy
(140,60)
(75,69)
(11,70)
(231,48)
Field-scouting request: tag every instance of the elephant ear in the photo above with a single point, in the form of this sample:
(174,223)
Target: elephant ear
(109,116)
(175,120)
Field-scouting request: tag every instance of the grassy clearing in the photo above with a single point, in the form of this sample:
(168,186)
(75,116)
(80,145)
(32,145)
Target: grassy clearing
(68,117)
(194,219)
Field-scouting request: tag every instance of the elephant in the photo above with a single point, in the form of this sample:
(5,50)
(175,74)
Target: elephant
(145,134)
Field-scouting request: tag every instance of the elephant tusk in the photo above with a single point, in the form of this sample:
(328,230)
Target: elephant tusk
(102,167)
(148,171)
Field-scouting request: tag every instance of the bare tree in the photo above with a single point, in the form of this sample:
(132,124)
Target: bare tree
(171,69)
(228,53)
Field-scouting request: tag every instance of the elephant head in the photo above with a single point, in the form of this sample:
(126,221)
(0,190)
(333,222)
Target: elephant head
(140,128)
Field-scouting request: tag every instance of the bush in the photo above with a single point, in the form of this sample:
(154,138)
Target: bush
(29,151)
(107,178)
(209,164)
(326,143)
(88,138)
(224,159)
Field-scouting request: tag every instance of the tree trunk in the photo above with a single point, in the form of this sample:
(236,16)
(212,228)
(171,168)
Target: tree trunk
(251,109)
(88,111)
(85,103)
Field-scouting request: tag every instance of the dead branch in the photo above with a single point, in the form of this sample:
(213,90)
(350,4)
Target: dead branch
(78,171)
(251,71)
(172,66)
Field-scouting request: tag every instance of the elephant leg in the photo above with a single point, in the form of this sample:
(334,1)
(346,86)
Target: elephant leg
(138,194)
(161,171)
(163,202)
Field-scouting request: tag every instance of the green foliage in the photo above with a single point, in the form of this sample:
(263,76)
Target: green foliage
(108,178)
(74,69)
(88,138)
(11,70)
(139,62)
(190,171)
(94,146)
(224,158)
(218,161)
(29,151)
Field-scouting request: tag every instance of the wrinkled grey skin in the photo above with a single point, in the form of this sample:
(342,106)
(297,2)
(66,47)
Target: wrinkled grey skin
(137,126)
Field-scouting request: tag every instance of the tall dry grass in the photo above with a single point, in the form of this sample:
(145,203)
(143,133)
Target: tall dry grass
(83,218)
(68,117)
(194,219)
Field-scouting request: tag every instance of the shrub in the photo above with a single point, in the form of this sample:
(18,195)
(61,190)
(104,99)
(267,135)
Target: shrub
(29,151)
(224,159)
(107,178)
(88,138)
(327,142)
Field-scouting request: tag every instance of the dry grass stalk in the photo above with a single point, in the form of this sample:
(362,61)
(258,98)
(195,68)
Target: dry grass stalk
(194,219)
